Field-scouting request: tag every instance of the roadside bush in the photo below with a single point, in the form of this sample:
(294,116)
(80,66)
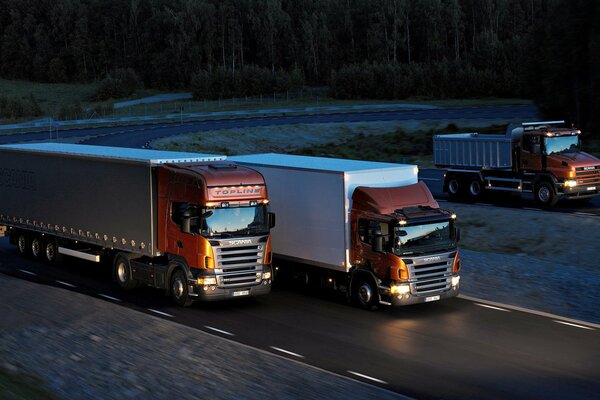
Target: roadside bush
(14,107)
(120,83)
(249,80)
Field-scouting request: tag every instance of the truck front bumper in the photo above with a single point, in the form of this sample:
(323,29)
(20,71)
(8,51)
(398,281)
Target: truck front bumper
(409,298)
(581,192)
(215,293)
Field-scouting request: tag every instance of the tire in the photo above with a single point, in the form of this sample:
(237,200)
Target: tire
(122,273)
(455,188)
(475,189)
(23,244)
(364,293)
(544,194)
(179,289)
(36,246)
(50,253)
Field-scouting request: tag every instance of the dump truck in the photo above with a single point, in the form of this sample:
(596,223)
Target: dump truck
(541,158)
(368,229)
(195,225)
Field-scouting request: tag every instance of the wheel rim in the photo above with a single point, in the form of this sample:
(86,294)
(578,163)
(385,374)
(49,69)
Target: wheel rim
(365,294)
(453,186)
(22,244)
(50,252)
(35,247)
(122,272)
(177,288)
(475,188)
(544,194)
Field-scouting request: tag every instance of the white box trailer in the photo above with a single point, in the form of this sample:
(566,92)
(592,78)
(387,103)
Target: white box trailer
(317,192)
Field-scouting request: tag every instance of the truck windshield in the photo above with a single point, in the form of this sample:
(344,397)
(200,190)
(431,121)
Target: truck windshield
(238,221)
(561,144)
(423,237)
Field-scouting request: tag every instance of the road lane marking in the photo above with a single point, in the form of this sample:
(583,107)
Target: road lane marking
(65,283)
(109,297)
(532,209)
(161,313)
(28,272)
(368,377)
(430,179)
(219,330)
(575,325)
(529,311)
(492,307)
(291,353)
(583,213)
(483,204)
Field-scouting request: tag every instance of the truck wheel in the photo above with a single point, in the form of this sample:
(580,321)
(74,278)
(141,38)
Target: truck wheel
(123,273)
(23,244)
(475,188)
(51,251)
(36,247)
(454,187)
(179,289)
(364,294)
(544,194)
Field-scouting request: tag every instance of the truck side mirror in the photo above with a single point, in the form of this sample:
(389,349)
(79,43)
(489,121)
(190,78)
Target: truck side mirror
(456,234)
(271,220)
(186,219)
(377,242)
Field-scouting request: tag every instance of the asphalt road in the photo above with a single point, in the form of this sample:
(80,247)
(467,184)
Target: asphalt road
(452,349)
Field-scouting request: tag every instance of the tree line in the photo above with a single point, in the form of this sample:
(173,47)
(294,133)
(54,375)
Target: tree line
(544,49)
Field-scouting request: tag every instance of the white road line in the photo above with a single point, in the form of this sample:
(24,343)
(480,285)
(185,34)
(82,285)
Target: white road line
(109,297)
(438,200)
(583,213)
(65,283)
(28,272)
(492,307)
(532,209)
(483,204)
(575,325)
(161,313)
(219,330)
(430,179)
(287,352)
(367,377)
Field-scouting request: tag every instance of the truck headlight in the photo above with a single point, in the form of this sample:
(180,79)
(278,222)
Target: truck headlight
(267,275)
(400,289)
(455,280)
(206,281)
(570,183)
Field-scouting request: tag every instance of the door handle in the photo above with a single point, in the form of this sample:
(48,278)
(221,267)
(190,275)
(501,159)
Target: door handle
(179,244)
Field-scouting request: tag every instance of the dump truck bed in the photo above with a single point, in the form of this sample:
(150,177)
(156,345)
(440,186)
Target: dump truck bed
(472,151)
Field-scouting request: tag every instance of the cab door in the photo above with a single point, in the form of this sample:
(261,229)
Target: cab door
(531,153)
(179,242)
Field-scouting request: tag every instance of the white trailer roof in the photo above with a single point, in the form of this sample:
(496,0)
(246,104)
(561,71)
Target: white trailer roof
(318,163)
(152,157)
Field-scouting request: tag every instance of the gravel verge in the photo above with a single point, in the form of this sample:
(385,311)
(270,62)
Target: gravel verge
(85,348)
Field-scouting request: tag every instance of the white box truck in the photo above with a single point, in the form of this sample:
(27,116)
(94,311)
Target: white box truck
(370,229)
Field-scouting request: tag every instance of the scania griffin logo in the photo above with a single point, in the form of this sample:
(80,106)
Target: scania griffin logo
(239,241)
(437,258)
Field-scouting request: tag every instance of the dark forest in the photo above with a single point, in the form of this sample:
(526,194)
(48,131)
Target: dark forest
(390,49)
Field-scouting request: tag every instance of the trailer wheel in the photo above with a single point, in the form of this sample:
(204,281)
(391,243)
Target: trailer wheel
(364,293)
(544,194)
(122,272)
(454,187)
(23,244)
(475,188)
(179,289)
(51,251)
(36,247)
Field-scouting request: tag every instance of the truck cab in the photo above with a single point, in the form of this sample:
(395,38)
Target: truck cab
(404,247)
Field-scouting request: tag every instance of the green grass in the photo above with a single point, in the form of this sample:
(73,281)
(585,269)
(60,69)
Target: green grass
(22,387)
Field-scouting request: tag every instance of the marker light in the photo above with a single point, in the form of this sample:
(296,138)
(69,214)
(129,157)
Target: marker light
(402,222)
(570,183)
(571,174)
(453,216)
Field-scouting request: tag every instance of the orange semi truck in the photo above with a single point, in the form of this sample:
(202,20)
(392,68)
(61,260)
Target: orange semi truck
(195,225)
(534,157)
(365,228)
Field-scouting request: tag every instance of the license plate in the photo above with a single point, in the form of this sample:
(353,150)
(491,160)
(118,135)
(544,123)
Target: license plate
(592,188)
(432,298)
(245,293)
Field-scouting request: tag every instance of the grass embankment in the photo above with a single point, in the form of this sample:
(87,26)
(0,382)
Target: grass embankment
(21,387)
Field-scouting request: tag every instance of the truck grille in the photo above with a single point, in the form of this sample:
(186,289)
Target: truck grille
(588,175)
(430,274)
(238,262)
